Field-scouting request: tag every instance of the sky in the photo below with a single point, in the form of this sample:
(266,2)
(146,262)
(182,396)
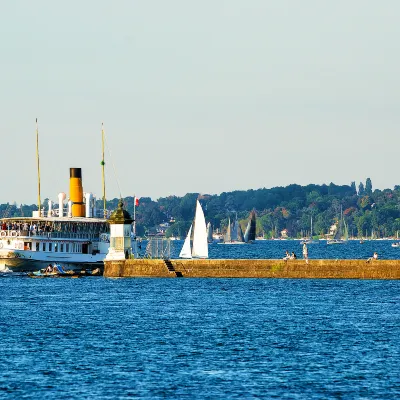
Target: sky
(198,96)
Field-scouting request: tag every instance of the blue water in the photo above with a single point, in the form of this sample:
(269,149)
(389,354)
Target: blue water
(198,338)
(275,249)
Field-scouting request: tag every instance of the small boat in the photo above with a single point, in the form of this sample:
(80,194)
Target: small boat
(217,237)
(174,238)
(335,241)
(309,241)
(396,244)
(52,271)
(57,271)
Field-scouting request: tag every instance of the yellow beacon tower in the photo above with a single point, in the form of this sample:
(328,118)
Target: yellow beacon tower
(76,192)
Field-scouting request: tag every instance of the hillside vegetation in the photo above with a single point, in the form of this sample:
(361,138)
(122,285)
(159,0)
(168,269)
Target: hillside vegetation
(365,210)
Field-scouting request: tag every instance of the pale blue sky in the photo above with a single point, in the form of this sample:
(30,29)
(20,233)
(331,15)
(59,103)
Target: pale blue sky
(199,96)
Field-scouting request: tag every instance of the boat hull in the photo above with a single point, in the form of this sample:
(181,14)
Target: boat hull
(29,265)
(232,243)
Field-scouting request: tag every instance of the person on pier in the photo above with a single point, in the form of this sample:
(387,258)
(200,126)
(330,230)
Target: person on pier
(305,253)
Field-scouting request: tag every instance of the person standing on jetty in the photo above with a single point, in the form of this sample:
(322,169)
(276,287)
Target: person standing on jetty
(305,253)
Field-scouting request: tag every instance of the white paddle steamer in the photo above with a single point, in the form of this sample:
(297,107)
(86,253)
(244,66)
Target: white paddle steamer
(71,235)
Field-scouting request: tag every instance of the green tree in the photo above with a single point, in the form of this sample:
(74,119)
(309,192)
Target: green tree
(361,190)
(368,186)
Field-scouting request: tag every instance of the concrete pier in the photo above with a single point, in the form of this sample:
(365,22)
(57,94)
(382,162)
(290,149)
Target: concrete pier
(315,269)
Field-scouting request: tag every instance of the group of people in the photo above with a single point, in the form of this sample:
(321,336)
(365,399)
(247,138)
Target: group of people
(56,268)
(293,256)
(23,226)
(289,256)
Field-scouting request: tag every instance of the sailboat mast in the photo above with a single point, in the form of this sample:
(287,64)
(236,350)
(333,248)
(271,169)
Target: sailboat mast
(102,170)
(38,165)
(134,216)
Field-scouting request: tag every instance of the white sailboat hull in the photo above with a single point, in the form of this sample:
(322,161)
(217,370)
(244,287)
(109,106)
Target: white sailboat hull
(335,242)
(233,243)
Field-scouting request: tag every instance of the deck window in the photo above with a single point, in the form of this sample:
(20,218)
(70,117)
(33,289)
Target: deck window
(55,247)
(37,246)
(44,246)
(67,247)
(61,247)
(50,246)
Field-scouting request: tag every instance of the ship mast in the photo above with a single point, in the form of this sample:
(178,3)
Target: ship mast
(102,170)
(38,165)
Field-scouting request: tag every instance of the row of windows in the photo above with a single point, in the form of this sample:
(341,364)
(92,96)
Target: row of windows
(60,247)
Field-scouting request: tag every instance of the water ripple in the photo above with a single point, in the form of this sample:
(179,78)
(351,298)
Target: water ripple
(199,338)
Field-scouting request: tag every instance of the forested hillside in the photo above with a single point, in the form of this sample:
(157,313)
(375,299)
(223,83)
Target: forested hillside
(290,207)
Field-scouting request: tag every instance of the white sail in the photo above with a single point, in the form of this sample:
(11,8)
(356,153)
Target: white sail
(247,232)
(235,230)
(186,252)
(228,237)
(200,245)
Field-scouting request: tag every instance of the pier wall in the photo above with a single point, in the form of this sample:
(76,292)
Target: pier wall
(318,269)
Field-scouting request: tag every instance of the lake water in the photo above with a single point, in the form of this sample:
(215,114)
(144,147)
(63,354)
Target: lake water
(199,338)
(275,249)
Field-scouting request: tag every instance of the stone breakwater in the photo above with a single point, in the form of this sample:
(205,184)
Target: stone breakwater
(315,269)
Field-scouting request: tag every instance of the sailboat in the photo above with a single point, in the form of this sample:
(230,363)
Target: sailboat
(342,231)
(227,236)
(310,240)
(234,233)
(209,233)
(250,233)
(199,247)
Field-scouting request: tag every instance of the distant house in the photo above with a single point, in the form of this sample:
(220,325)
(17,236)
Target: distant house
(333,229)
(284,234)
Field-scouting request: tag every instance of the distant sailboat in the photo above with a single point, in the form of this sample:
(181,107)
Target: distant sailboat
(240,237)
(199,247)
(341,232)
(310,240)
(250,233)
(234,233)
(209,233)
(227,236)
(186,251)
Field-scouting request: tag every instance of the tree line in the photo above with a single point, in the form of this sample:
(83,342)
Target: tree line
(365,210)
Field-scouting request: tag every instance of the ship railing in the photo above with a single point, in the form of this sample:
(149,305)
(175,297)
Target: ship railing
(58,235)
(55,212)
(103,214)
